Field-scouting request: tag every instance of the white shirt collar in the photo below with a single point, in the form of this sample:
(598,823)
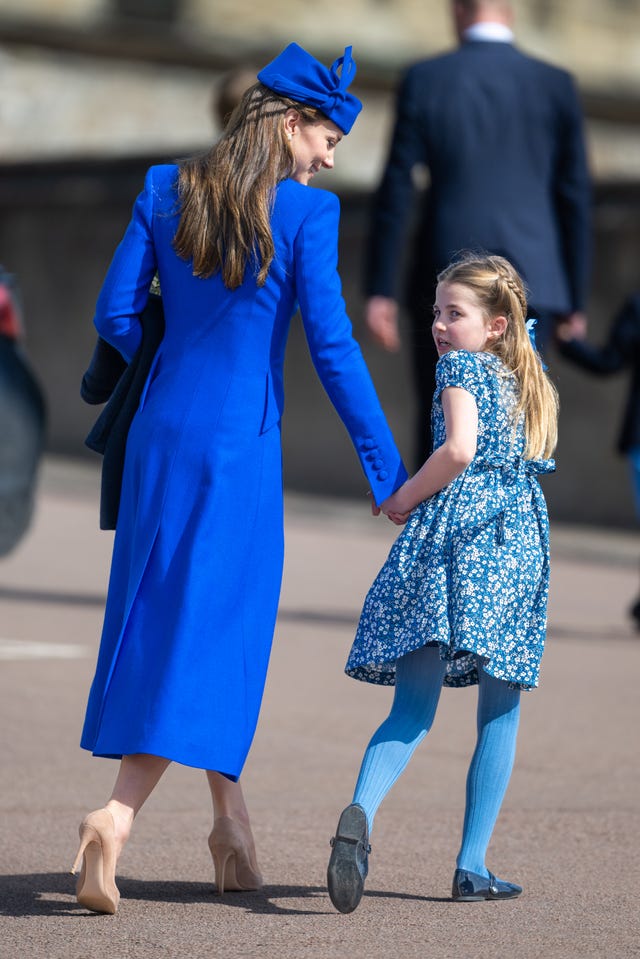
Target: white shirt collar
(497,32)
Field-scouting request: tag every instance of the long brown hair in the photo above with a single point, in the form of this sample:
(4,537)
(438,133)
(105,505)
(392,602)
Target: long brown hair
(226,195)
(500,291)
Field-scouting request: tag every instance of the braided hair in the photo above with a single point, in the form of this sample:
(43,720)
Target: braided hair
(500,291)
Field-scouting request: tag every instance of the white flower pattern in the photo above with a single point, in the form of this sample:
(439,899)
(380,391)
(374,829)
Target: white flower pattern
(470,570)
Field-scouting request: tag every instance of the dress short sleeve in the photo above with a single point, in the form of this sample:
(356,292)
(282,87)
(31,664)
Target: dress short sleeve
(458,368)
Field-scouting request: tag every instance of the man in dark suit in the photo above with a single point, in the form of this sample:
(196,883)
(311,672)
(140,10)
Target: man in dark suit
(501,135)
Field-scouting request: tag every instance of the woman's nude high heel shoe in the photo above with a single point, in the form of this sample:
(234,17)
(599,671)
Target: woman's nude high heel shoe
(96,887)
(233,857)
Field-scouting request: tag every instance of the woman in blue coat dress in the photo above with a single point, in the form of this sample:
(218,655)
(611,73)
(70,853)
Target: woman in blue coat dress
(239,243)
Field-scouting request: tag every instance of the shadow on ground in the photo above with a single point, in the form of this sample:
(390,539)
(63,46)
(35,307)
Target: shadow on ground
(51,894)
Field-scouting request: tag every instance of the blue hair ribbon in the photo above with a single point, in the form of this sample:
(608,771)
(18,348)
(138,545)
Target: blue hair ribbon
(530,328)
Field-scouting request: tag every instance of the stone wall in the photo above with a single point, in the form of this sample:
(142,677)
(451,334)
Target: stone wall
(82,78)
(596,39)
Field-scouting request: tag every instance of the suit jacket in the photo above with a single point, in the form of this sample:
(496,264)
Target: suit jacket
(620,351)
(110,378)
(501,134)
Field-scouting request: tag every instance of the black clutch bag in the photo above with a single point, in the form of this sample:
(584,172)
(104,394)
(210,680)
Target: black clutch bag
(109,378)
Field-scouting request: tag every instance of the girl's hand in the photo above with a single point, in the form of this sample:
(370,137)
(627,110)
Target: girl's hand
(397,502)
(399,518)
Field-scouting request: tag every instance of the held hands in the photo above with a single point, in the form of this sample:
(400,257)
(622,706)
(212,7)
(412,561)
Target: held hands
(396,508)
(399,518)
(392,509)
(381,317)
(448,461)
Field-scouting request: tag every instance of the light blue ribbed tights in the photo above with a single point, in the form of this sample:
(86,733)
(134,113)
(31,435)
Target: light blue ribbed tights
(419,678)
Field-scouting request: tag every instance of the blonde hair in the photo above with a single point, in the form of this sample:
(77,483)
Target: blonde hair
(500,291)
(226,195)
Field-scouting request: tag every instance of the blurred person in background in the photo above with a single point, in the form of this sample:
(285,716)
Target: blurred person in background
(22,421)
(228,92)
(620,351)
(501,135)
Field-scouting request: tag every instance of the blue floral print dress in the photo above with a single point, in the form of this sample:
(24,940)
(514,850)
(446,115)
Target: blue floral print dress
(470,571)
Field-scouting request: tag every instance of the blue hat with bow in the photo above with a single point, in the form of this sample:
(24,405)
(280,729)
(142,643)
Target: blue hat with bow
(296,74)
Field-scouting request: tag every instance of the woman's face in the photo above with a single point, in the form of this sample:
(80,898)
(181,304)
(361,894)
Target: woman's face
(313,146)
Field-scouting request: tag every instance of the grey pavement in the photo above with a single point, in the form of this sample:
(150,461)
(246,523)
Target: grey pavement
(568,831)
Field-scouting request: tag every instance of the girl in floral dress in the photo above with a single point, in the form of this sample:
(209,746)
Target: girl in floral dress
(462,597)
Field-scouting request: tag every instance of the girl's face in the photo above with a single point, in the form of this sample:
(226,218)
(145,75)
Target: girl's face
(313,146)
(459,322)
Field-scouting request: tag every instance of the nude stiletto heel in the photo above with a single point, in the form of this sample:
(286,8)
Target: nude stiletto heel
(96,886)
(233,857)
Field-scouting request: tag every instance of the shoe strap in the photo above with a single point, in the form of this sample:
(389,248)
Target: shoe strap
(350,841)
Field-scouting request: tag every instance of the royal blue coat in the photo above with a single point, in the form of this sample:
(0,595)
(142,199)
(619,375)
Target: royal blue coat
(198,552)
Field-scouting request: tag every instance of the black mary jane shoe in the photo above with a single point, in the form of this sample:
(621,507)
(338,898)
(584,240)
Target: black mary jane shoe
(471,887)
(349,862)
